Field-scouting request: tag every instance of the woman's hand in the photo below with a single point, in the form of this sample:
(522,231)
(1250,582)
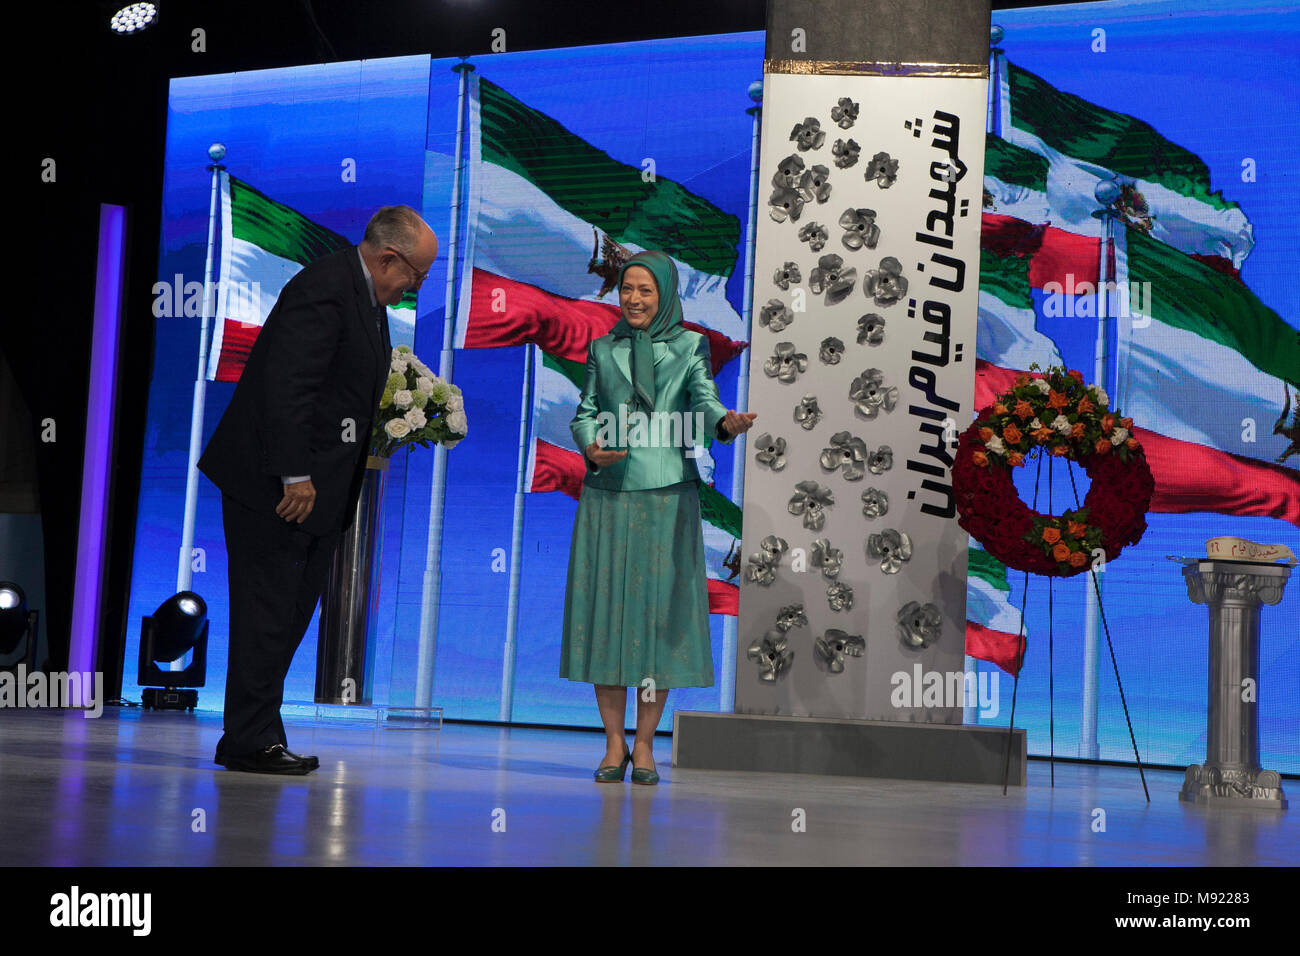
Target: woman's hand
(737,422)
(603,457)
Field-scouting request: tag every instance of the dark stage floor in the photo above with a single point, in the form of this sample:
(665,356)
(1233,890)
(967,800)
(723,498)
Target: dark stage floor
(133,787)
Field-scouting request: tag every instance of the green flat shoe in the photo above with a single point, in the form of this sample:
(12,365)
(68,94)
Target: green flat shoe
(646,778)
(612,774)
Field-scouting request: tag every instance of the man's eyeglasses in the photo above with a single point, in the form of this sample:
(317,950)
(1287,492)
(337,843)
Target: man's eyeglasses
(419,276)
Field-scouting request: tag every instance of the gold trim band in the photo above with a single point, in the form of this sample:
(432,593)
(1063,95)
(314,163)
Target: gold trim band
(850,68)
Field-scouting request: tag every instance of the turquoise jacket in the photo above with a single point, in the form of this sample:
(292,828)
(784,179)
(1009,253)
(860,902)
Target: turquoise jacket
(658,445)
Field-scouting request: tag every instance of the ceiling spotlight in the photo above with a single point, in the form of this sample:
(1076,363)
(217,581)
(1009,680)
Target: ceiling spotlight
(133,18)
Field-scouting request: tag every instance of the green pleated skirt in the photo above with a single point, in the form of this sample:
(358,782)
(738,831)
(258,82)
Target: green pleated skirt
(637,602)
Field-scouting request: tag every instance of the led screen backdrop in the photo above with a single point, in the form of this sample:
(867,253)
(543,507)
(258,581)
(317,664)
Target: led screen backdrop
(572,152)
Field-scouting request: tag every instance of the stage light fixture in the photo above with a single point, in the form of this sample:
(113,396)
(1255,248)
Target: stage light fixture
(178,626)
(13,616)
(133,18)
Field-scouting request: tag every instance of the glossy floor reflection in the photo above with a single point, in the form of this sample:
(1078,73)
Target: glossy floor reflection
(140,788)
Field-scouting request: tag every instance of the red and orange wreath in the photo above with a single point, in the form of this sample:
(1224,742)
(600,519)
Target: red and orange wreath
(1057,414)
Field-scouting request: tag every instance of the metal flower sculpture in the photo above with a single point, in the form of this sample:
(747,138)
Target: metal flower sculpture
(919,624)
(764,562)
(808,134)
(831,351)
(839,596)
(845,152)
(844,112)
(831,277)
(771,451)
(860,229)
(883,170)
(887,284)
(871,329)
(874,503)
(815,234)
(785,363)
(771,654)
(880,460)
(829,559)
(787,275)
(785,203)
(893,548)
(808,413)
(774,315)
(846,453)
(869,393)
(788,172)
(792,615)
(811,500)
(831,649)
(816,184)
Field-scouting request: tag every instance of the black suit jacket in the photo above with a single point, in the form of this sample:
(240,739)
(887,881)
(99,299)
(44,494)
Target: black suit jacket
(313,381)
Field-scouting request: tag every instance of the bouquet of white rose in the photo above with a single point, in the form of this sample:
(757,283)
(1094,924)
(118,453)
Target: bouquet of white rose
(417,407)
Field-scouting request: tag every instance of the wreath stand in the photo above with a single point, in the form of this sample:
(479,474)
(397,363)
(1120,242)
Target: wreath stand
(1020,655)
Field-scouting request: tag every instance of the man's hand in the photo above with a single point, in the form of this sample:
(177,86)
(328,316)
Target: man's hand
(299,498)
(602,457)
(737,422)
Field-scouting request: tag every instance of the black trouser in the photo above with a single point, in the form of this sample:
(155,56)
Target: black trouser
(277,573)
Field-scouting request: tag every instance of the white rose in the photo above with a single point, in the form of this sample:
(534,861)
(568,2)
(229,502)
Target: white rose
(995,445)
(424,385)
(397,428)
(455,403)
(1119,436)
(403,399)
(1035,425)
(415,418)
(398,365)
(1061,424)
(451,444)
(458,423)
(1099,396)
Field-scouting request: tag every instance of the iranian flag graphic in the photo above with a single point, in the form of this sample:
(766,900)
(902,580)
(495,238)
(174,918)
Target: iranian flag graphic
(550,220)
(1207,371)
(1166,188)
(264,244)
(548,209)
(992,621)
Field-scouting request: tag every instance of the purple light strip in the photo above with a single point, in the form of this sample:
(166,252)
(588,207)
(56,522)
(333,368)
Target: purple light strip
(98,458)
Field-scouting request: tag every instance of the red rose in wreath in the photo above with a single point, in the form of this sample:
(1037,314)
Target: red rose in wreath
(1057,415)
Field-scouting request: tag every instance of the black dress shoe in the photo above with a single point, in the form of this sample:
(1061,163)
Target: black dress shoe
(311,759)
(272,759)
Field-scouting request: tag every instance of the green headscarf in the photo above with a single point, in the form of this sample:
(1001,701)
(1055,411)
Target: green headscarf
(666,325)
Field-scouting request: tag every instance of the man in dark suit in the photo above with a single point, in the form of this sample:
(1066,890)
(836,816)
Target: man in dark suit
(289,456)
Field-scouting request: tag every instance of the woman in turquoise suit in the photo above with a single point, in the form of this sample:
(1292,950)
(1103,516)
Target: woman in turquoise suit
(637,605)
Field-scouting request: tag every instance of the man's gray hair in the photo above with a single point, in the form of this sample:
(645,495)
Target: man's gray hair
(396,226)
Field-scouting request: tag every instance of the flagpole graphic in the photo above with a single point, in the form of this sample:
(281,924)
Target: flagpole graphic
(730,623)
(185,569)
(427,655)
